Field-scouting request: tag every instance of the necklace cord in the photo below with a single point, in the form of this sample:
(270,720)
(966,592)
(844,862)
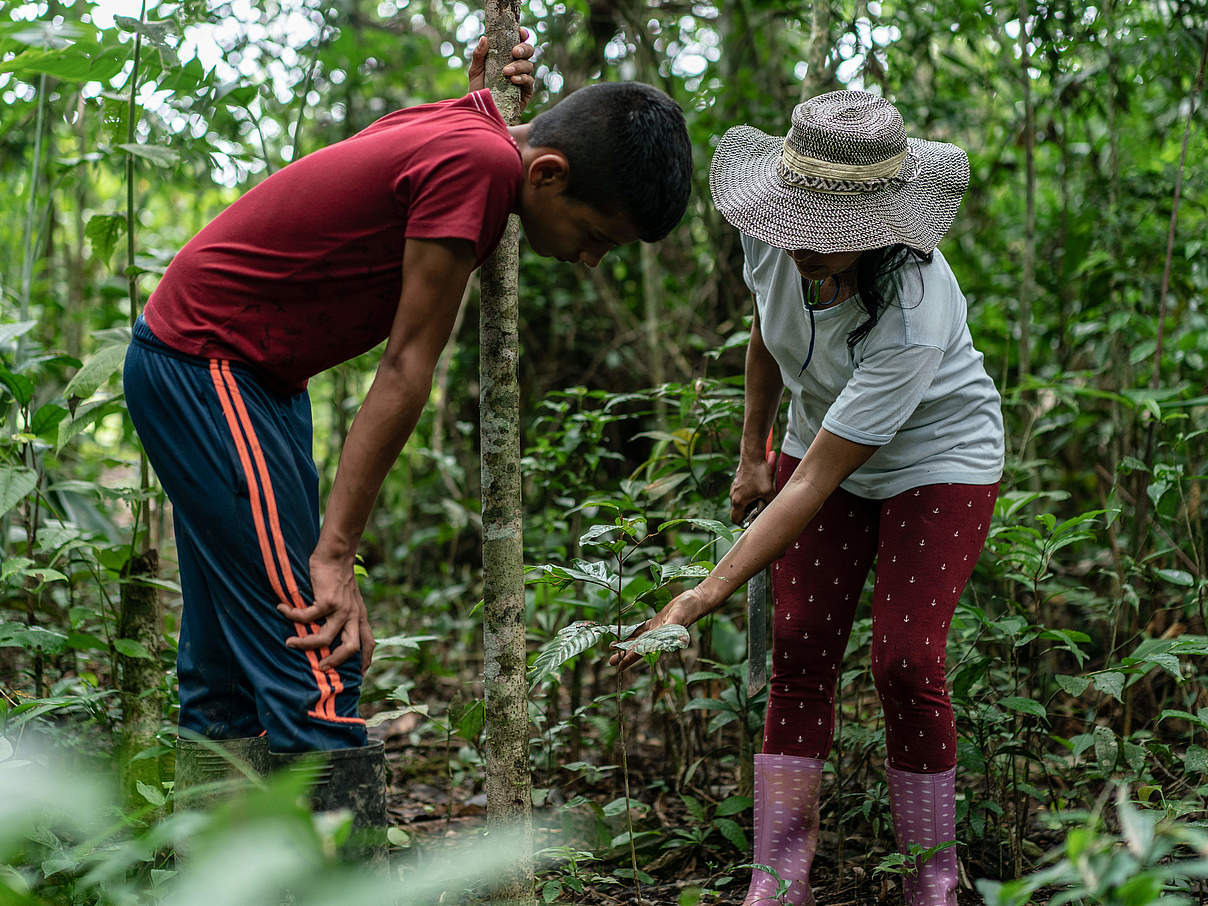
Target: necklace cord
(810,300)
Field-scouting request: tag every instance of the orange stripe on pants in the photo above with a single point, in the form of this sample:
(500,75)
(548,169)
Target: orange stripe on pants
(224,384)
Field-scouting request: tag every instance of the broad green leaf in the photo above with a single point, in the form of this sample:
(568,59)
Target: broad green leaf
(1107,749)
(570,640)
(103,232)
(682,571)
(1198,720)
(1024,706)
(34,638)
(733,805)
(732,832)
(1196,760)
(96,370)
(617,807)
(14,566)
(468,719)
(152,795)
(706,704)
(394,714)
(156,154)
(594,535)
(16,483)
(45,422)
(78,63)
(709,525)
(1135,826)
(1178,577)
(671,637)
(131,648)
(1109,683)
(13,329)
(21,387)
(1072,685)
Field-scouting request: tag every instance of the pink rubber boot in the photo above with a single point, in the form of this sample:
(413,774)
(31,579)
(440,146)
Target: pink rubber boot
(924,813)
(786,827)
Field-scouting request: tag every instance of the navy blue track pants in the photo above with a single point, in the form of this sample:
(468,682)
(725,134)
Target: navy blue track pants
(237,464)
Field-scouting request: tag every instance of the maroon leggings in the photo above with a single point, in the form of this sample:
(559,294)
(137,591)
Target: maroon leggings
(926,541)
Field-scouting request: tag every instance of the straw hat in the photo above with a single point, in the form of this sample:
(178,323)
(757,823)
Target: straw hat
(845,179)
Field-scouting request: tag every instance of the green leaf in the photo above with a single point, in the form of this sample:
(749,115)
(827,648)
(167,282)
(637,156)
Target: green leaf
(34,638)
(1178,577)
(1024,706)
(21,387)
(732,832)
(671,637)
(570,640)
(103,232)
(156,154)
(709,525)
(1107,749)
(733,805)
(45,422)
(85,416)
(1072,685)
(152,795)
(468,719)
(1197,720)
(1196,760)
(80,62)
(394,714)
(16,483)
(1110,683)
(14,329)
(131,648)
(595,533)
(95,371)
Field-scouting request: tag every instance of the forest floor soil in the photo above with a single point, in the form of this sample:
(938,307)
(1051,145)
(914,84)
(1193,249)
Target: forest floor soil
(420,804)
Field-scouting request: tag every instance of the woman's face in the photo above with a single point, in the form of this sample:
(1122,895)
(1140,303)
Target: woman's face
(820,265)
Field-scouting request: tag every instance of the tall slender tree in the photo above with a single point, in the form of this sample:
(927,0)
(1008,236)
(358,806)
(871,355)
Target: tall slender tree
(509,801)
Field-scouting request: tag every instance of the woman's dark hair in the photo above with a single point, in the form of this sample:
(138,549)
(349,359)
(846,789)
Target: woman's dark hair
(878,278)
(628,149)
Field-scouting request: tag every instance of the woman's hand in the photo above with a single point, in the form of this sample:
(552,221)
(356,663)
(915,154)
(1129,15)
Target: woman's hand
(754,483)
(683,610)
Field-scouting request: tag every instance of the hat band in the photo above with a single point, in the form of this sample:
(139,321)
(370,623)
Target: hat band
(797,169)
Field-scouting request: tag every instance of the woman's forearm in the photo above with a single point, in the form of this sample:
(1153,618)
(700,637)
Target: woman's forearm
(829,460)
(762,391)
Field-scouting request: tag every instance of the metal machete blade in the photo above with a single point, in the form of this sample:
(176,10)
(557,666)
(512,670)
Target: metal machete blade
(757,632)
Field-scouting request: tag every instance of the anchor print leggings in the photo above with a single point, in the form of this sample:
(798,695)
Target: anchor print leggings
(925,542)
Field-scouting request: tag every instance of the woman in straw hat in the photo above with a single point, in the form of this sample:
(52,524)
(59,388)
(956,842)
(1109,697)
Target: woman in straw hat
(893,452)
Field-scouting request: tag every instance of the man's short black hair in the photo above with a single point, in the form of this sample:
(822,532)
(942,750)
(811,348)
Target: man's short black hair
(628,150)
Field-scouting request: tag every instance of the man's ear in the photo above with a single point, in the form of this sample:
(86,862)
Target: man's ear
(549,170)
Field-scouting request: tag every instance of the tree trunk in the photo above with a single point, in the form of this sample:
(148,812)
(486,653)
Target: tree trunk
(509,800)
(140,678)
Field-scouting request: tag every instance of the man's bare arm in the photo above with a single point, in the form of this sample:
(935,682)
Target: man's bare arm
(434,277)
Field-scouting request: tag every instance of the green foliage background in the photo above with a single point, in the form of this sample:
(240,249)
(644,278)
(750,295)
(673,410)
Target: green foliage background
(1077,659)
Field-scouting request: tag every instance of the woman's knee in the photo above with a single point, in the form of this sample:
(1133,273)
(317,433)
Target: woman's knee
(902,672)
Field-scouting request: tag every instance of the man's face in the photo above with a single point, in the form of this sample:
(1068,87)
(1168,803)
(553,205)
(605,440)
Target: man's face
(561,227)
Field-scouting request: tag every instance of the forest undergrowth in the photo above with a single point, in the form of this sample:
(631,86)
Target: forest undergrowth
(1077,656)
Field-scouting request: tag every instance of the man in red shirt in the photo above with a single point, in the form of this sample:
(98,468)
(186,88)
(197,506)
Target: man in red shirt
(367,240)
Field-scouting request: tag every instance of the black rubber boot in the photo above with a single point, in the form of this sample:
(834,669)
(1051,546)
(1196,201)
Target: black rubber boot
(212,770)
(353,779)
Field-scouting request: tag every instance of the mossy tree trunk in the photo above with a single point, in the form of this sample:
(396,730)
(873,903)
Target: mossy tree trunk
(508,781)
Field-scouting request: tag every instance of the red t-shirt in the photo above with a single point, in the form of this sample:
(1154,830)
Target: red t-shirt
(304,271)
